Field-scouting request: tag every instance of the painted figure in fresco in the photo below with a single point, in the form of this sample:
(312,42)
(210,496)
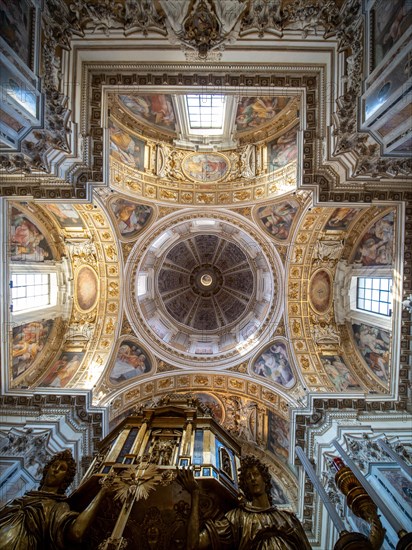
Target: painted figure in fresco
(398,25)
(58,365)
(339,373)
(374,344)
(66,215)
(376,245)
(278,219)
(26,241)
(66,372)
(340,218)
(124,148)
(130,217)
(130,362)
(42,519)
(278,436)
(253,525)
(162,110)
(284,150)
(157,108)
(28,341)
(255,111)
(274,364)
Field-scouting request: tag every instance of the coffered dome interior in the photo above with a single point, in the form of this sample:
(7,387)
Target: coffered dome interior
(205,287)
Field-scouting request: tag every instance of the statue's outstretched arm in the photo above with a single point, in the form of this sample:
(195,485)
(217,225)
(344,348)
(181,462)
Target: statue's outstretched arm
(76,530)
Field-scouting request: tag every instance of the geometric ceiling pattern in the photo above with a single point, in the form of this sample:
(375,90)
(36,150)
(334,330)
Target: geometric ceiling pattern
(226,264)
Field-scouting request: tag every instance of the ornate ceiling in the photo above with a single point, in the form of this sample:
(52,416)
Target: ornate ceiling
(225,265)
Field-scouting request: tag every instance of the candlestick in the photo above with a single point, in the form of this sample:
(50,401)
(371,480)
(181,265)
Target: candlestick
(393,521)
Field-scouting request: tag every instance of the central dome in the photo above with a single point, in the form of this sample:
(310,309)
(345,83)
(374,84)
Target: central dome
(201,287)
(205,282)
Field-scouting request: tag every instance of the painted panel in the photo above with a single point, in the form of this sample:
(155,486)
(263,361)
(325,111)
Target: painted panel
(63,370)
(16,27)
(27,242)
(278,494)
(253,112)
(277,218)
(125,147)
(274,365)
(131,361)
(283,150)
(339,373)
(155,109)
(27,342)
(341,219)
(131,217)
(66,215)
(278,435)
(87,288)
(374,346)
(400,483)
(214,405)
(205,167)
(391,20)
(321,291)
(376,245)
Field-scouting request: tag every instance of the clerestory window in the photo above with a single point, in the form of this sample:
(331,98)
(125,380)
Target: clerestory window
(31,291)
(206,111)
(374,294)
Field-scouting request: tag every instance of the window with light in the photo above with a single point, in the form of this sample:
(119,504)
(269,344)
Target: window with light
(374,294)
(32,290)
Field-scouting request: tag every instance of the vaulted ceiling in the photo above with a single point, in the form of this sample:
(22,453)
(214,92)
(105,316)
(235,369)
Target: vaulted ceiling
(224,261)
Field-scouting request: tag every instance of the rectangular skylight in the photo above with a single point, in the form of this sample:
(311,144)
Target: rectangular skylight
(206,111)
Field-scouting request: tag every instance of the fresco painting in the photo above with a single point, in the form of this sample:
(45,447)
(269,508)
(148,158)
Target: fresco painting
(391,20)
(376,245)
(320,291)
(205,167)
(283,150)
(258,111)
(126,147)
(16,19)
(66,215)
(27,342)
(214,405)
(63,370)
(340,219)
(131,361)
(278,435)
(131,217)
(277,218)
(374,346)
(27,242)
(274,364)
(278,494)
(155,109)
(400,483)
(87,288)
(339,373)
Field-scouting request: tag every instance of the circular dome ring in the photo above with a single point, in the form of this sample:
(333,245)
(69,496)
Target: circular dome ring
(187,321)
